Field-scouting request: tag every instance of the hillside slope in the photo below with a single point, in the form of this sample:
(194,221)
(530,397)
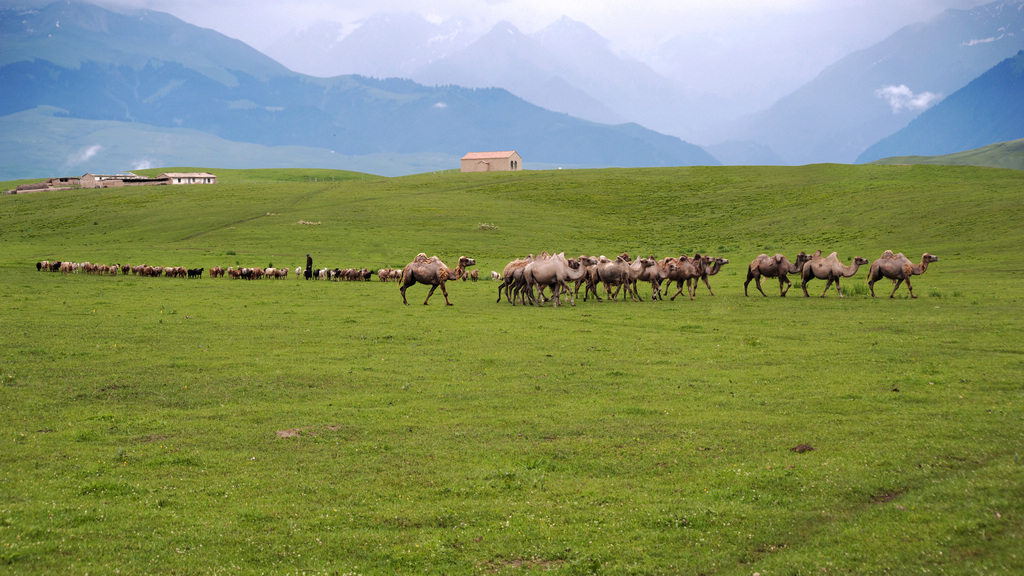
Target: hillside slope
(1000,155)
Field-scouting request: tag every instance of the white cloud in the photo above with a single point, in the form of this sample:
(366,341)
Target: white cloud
(441,105)
(902,98)
(142,164)
(84,155)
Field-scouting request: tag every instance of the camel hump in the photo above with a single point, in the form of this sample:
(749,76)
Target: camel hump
(888,255)
(421,257)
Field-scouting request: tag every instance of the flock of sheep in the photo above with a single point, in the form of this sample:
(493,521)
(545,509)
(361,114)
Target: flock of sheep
(526,278)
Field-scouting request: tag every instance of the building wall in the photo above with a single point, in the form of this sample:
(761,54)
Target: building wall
(503,164)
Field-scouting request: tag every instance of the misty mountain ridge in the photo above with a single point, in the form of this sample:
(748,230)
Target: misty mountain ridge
(844,109)
(566,67)
(121,66)
(874,92)
(985,111)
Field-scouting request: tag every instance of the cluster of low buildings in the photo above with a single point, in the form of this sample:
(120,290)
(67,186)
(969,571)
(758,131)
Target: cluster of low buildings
(116,181)
(473,162)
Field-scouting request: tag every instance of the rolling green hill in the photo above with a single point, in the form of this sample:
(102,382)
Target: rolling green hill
(1001,155)
(162,425)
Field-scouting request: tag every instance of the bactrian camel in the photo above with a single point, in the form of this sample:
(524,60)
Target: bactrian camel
(897,268)
(556,272)
(433,272)
(830,269)
(777,266)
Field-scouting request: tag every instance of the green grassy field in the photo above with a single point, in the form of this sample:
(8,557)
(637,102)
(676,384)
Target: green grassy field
(156,425)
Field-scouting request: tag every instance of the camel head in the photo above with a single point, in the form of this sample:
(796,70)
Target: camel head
(587,260)
(858,261)
(465,261)
(929,258)
(803,258)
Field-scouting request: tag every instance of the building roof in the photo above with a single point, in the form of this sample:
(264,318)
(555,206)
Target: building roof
(187,175)
(488,155)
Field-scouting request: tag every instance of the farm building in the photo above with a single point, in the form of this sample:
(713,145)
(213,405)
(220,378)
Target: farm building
(117,180)
(492,161)
(189,177)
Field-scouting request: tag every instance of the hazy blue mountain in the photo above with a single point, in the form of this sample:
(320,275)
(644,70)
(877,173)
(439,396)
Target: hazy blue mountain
(102,65)
(874,92)
(566,67)
(989,109)
(386,45)
(509,59)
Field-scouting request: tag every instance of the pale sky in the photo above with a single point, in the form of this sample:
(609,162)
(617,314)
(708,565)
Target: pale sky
(633,28)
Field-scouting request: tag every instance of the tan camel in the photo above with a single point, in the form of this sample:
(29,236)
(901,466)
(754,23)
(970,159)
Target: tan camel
(590,280)
(509,277)
(683,270)
(898,268)
(777,266)
(615,273)
(712,266)
(656,273)
(433,272)
(556,272)
(830,269)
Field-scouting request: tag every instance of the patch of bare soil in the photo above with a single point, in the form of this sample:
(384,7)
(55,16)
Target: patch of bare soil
(498,565)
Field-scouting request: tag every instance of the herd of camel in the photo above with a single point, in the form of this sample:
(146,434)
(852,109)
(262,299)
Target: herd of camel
(526,278)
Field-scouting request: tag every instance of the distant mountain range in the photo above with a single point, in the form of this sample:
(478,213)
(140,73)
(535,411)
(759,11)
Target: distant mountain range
(152,69)
(560,97)
(989,109)
(873,93)
(569,68)
(566,67)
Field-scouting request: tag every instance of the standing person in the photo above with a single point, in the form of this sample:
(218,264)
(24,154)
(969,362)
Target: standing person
(309,266)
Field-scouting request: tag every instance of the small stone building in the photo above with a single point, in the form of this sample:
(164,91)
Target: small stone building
(492,161)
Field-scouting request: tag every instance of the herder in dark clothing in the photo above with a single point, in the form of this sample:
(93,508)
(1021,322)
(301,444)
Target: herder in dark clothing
(309,266)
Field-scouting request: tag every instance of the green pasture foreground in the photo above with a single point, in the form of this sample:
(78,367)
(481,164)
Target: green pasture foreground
(156,425)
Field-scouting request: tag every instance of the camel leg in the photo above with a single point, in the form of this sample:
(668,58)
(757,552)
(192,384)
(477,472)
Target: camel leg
(804,286)
(591,286)
(678,292)
(898,282)
(445,292)
(631,291)
(429,294)
(827,285)
(782,291)
(871,286)
(705,279)
(500,287)
(402,289)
